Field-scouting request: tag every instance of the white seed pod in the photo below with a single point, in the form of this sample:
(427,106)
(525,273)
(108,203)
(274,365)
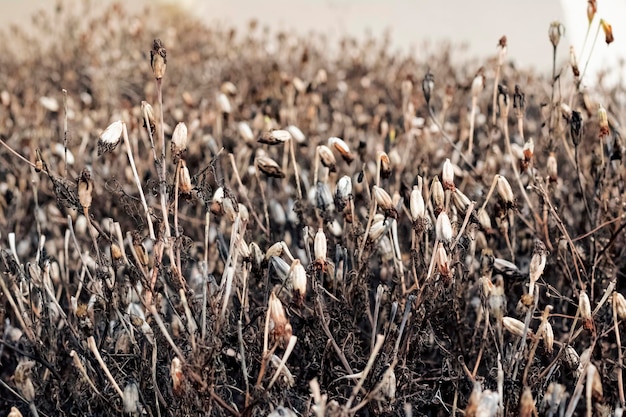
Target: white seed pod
(620,305)
(223,103)
(14,411)
(276,249)
(179,138)
(344,188)
(584,306)
(460,200)
(417,205)
(378,227)
(130,399)
(245,132)
(320,246)
(484,219)
(447,175)
(441,260)
(275,137)
(184,178)
(437,194)
(514,326)
(342,147)
(297,274)
(504,190)
(383,199)
(443,228)
(548,337)
(296,133)
(327,157)
(537,264)
(176,373)
(110,138)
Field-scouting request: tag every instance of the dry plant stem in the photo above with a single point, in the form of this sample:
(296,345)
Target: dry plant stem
(157,393)
(79,365)
(131,160)
(593,45)
(495,94)
(264,199)
(91,343)
(18,314)
(283,361)
(64,91)
(244,192)
(70,226)
(482,344)
(405,317)
(472,124)
(192,327)
(17,154)
(92,233)
(535,343)
(338,350)
(620,358)
(166,334)
(468,215)
(379,295)
(370,362)
(242,352)
(373,393)
(295,167)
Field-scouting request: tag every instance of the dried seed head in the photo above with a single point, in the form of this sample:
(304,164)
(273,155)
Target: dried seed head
(148,114)
(552,167)
(447,175)
(296,134)
(176,373)
(342,147)
(555,32)
(378,227)
(130,399)
(22,380)
(573,62)
(217,201)
(327,157)
(428,85)
(484,219)
(383,199)
(584,306)
(344,188)
(85,188)
(245,132)
(529,149)
(620,305)
(15,413)
(441,260)
(592,9)
(320,248)
(388,384)
(298,279)
(275,137)
(514,326)
(158,59)
(504,190)
(385,165)
(244,214)
(276,249)
(269,167)
(478,84)
(279,324)
(179,139)
(443,228)
(110,138)
(527,404)
(537,263)
(502,50)
(571,357)
(548,337)
(184,178)
(603,121)
(608,31)
(416,203)
(437,195)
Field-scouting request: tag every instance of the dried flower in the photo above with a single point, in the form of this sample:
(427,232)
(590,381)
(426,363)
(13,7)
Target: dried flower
(327,158)
(620,305)
(576,127)
(555,32)
(416,204)
(269,167)
(504,190)
(478,84)
(245,132)
(584,306)
(297,275)
(344,188)
(23,381)
(502,44)
(537,264)
(158,59)
(388,384)
(179,139)
(603,121)
(279,324)
(548,337)
(592,9)
(608,31)
(184,178)
(296,133)
(573,62)
(514,326)
(176,373)
(447,175)
(443,227)
(383,199)
(85,188)
(110,138)
(552,168)
(378,227)
(320,248)
(385,165)
(148,114)
(340,146)
(441,260)
(437,195)
(275,137)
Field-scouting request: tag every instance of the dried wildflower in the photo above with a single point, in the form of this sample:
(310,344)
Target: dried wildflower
(23,381)
(441,260)
(297,275)
(340,146)
(279,324)
(447,175)
(275,137)
(378,227)
(385,165)
(148,114)
(443,228)
(555,32)
(245,132)
(620,305)
(552,168)
(176,373)
(537,264)
(428,85)
(384,201)
(184,178)
(515,326)
(502,45)
(437,195)
(327,158)
(548,337)
(603,121)
(573,62)
(269,167)
(584,308)
(110,138)
(85,188)
(504,190)
(158,59)
(416,204)
(608,31)
(179,139)
(344,188)
(320,248)
(592,9)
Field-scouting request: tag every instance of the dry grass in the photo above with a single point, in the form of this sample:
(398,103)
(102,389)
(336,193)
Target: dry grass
(439,280)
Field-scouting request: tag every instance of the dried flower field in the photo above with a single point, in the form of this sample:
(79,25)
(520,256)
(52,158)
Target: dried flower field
(198,221)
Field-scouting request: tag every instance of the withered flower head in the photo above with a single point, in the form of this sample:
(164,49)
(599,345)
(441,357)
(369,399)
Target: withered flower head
(416,204)
(437,195)
(110,138)
(279,323)
(297,274)
(385,165)
(443,227)
(327,158)
(179,139)
(552,167)
(274,137)
(573,62)
(320,246)
(269,167)
(555,32)
(185,178)
(447,175)
(592,8)
(176,373)
(603,121)
(148,115)
(342,147)
(608,31)
(158,59)
(620,305)
(504,190)
(85,188)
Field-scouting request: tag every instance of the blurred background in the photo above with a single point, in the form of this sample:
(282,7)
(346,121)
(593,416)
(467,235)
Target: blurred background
(412,25)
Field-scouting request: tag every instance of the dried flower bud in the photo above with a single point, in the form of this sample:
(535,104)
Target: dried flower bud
(342,147)
(344,188)
(552,167)
(269,167)
(460,200)
(555,32)
(537,264)
(179,139)
(23,381)
(584,306)
(592,9)
(447,175)
(608,31)
(502,50)
(603,121)
(298,279)
(245,132)
(478,84)
(110,138)
(383,199)
(576,127)
(443,228)
(504,190)
(428,85)
(441,260)
(320,248)
(416,203)
(514,326)
(437,195)
(158,59)
(484,219)
(573,62)
(184,178)
(279,324)
(176,373)
(620,305)
(148,114)
(85,188)
(327,158)
(275,137)
(378,227)
(548,337)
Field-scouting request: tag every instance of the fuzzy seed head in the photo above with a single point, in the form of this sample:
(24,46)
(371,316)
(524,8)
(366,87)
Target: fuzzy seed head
(447,175)
(327,158)
(176,373)
(269,167)
(342,147)
(417,205)
(584,306)
(320,248)
(110,138)
(179,139)
(443,228)
(620,305)
(504,190)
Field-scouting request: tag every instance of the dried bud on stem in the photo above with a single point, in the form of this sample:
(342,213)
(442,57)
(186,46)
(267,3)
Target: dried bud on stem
(274,137)
(443,228)
(504,190)
(515,326)
(573,62)
(620,305)
(158,59)
(437,195)
(320,246)
(110,138)
(179,140)
(384,201)
(327,158)
(176,373)
(576,127)
(269,167)
(297,274)
(279,324)
(555,32)
(584,308)
(385,165)
(417,205)
(428,85)
(342,147)
(184,178)
(148,114)
(608,31)
(552,167)
(537,264)
(592,9)
(603,121)
(447,175)
(85,188)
